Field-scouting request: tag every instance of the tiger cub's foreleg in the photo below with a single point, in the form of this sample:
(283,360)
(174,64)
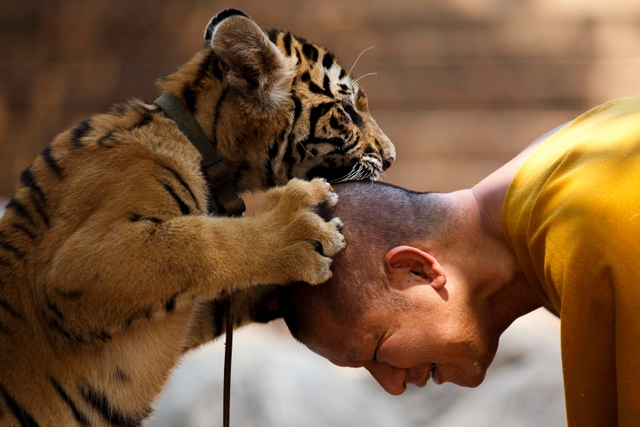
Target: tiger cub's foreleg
(158,266)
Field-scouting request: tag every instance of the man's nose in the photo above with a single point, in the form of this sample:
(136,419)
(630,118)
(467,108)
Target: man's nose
(392,380)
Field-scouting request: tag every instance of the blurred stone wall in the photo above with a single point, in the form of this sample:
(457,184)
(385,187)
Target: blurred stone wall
(461,85)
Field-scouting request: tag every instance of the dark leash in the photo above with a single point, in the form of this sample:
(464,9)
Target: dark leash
(217,173)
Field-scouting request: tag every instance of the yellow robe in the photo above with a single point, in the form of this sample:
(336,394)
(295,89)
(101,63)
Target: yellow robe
(572,218)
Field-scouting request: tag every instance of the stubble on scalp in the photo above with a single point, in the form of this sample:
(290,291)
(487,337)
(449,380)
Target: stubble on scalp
(377,217)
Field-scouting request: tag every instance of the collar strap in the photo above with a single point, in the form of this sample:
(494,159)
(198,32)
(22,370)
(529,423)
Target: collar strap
(215,168)
(222,187)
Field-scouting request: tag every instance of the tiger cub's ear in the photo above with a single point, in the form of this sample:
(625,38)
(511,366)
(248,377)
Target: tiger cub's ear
(254,66)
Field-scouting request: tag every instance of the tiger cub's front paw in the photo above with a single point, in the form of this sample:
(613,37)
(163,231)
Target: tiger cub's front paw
(304,234)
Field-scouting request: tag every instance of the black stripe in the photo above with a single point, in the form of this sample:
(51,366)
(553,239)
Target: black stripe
(335,124)
(51,162)
(349,145)
(28,180)
(370,150)
(72,294)
(273,35)
(79,416)
(216,70)
(287,157)
(24,229)
(275,147)
(100,402)
(315,114)
(20,210)
(39,205)
(219,18)
(271,158)
(318,90)
(145,118)
(269,175)
(102,335)
(119,109)
(218,308)
(139,314)
(10,248)
(204,68)
(343,74)
(170,304)
(5,263)
(74,340)
(138,217)
(190,98)
(53,307)
(37,195)
(9,308)
(184,208)
(327,60)
(79,132)
(182,182)
(302,150)
(287,43)
(299,61)
(297,109)
(310,51)
(353,115)
(378,145)
(330,170)
(313,87)
(24,417)
(326,85)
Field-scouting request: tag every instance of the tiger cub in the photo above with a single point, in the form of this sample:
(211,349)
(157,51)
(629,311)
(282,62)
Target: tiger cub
(113,262)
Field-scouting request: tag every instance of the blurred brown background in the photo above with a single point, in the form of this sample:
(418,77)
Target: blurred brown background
(461,85)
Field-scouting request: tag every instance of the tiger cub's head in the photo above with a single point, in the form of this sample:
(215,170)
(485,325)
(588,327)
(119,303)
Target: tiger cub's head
(279,107)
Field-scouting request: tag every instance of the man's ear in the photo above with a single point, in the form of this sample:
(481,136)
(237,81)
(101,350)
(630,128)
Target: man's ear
(254,66)
(407,266)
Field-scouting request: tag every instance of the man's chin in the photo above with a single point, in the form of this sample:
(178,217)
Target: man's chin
(467,379)
(474,382)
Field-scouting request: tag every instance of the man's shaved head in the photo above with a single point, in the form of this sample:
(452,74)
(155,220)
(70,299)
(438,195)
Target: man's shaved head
(377,217)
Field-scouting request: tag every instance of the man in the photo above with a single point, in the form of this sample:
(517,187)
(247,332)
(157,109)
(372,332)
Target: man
(428,282)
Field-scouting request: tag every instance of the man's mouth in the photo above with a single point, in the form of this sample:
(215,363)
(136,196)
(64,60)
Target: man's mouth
(434,374)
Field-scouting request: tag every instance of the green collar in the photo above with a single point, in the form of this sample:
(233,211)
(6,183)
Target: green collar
(215,168)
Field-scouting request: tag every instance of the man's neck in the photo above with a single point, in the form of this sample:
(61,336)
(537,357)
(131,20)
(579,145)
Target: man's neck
(491,191)
(487,268)
(511,293)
